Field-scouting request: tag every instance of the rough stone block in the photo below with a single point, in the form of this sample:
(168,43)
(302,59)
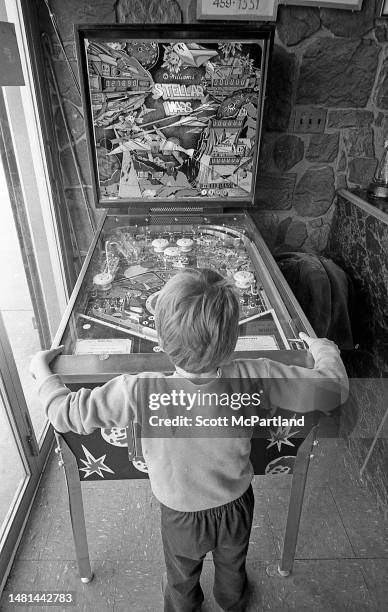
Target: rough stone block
(338,72)
(79,216)
(314,193)
(288,151)
(294,24)
(265,157)
(318,231)
(359,142)
(317,239)
(284,224)
(341,182)
(381,95)
(381,136)
(66,83)
(280,90)
(268,224)
(381,33)
(316,222)
(275,191)
(323,147)
(349,118)
(350,24)
(73,11)
(153,11)
(75,124)
(56,52)
(342,163)
(361,171)
(68,167)
(296,234)
(379,119)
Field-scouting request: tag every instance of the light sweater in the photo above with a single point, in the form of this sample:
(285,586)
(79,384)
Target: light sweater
(196,473)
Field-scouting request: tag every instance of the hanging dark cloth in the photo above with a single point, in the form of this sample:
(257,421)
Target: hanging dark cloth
(324,292)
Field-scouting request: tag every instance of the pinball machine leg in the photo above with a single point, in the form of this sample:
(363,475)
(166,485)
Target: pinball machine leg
(301,466)
(77,516)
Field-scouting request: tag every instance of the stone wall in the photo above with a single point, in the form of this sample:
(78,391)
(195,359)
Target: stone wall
(329,66)
(358,242)
(329,69)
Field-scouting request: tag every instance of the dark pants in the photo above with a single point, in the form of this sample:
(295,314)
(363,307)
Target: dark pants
(188,536)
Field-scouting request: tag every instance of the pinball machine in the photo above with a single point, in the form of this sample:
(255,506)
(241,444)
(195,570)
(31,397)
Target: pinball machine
(173,120)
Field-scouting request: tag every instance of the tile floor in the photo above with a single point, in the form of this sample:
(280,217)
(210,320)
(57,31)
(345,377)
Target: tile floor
(341,562)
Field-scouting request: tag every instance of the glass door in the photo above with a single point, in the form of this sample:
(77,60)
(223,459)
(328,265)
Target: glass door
(33,293)
(20,461)
(16,305)
(23,300)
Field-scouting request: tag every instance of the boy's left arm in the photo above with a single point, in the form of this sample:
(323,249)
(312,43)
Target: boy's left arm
(84,410)
(323,387)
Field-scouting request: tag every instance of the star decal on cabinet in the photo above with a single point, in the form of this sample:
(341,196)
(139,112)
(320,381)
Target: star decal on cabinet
(281,436)
(93,465)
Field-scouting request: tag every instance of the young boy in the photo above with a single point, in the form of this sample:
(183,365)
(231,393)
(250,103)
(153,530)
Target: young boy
(203,482)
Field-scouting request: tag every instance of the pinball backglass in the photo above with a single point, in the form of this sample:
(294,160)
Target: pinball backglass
(173,114)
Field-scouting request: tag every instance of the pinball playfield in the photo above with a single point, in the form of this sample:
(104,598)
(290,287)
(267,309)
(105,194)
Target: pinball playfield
(135,263)
(112,311)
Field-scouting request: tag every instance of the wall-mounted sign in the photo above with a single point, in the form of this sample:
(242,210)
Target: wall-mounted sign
(266,10)
(249,10)
(351,5)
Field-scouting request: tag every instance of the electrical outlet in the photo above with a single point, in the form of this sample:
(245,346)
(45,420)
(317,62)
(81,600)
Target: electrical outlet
(309,120)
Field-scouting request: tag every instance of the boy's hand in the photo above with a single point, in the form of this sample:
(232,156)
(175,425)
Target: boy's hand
(306,339)
(40,363)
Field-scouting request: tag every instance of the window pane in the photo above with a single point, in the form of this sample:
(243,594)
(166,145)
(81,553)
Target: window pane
(12,470)
(16,306)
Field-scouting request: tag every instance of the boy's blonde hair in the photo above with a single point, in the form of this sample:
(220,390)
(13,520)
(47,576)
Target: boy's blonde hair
(196,318)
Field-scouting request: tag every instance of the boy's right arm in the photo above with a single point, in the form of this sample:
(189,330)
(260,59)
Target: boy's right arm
(85,410)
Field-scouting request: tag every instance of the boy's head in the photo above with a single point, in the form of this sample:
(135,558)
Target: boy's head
(197,320)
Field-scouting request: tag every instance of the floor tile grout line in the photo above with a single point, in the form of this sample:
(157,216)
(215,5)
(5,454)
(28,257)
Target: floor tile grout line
(371,592)
(114,590)
(251,559)
(355,559)
(341,519)
(274,540)
(209,560)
